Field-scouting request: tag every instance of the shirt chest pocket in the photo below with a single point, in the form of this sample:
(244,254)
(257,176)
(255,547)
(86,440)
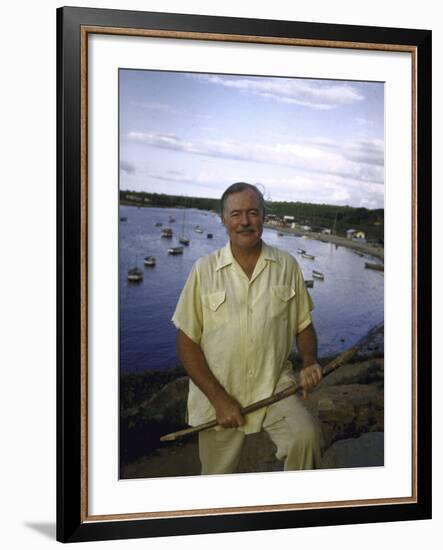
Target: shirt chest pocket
(282,299)
(215,310)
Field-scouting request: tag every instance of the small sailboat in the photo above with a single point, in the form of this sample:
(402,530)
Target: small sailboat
(198,229)
(301,250)
(149,261)
(166,233)
(308,256)
(317,274)
(135,275)
(175,250)
(377,267)
(183,240)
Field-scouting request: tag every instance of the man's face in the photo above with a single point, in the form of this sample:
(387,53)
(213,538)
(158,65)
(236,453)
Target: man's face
(243,219)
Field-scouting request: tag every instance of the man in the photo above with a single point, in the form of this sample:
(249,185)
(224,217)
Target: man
(237,316)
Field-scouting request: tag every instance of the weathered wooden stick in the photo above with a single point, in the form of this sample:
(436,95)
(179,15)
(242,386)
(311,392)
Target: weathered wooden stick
(290,390)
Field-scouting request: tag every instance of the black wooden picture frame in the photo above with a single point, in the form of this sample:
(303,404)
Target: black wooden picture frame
(73,26)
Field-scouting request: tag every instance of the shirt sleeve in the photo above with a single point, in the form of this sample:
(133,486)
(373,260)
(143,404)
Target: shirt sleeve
(188,312)
(304,302)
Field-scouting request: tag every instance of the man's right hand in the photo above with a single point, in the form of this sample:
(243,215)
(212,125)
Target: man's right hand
(228,411)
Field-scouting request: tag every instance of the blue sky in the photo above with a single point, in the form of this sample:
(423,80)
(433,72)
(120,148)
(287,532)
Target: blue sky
(319,141)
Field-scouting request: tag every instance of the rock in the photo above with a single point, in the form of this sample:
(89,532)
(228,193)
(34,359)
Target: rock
(364,451)
(374,343)
(258,455)
(169,404)
(347,410)
(366,372)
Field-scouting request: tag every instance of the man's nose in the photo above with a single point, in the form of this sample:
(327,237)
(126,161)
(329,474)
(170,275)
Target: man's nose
(245,219)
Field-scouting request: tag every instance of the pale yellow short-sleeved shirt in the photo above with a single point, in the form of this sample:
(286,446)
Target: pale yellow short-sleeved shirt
(245,327)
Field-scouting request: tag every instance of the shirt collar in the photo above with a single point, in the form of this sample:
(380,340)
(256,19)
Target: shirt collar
(226,258)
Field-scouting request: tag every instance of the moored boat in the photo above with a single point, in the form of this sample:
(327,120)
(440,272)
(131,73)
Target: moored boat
(317,274)
(167,233)
(174,250)
(149,261)
(301,250)
(182,239)
(123,219)
(309,283)
(135,275)
(307,256)
(209,235)
(377,267)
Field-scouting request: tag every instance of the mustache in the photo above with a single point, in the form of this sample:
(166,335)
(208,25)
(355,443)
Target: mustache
(246,230)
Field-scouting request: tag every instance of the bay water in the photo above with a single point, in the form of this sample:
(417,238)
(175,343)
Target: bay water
(348,302)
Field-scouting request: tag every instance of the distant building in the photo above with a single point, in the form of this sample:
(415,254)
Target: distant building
(360,236)
(326,231)
(356,235)
(273,219)
(133,198)
(288,219)
(306,227)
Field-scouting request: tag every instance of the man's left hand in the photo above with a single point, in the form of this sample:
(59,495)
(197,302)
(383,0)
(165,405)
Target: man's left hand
(310,376)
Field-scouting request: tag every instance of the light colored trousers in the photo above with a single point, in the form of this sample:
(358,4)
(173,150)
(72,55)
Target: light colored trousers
(291,427)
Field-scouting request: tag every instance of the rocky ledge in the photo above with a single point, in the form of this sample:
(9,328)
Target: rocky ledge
(349,404)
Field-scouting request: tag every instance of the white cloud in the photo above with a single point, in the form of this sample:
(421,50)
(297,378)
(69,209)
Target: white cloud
(362,160)
(166,108)
(308,93)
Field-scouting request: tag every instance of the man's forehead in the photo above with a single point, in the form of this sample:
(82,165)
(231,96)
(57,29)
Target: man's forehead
(246,197)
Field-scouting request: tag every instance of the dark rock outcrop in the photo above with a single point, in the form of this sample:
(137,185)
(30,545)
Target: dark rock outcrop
(349,404)
(366,450)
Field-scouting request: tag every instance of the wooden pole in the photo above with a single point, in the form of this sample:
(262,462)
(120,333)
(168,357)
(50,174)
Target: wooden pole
(290,390)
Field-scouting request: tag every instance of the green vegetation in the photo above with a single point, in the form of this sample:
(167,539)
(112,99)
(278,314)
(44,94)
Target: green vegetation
(317,216)
(336,218)
(140,198)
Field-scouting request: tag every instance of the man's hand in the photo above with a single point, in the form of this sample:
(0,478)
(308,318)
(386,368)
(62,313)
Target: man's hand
(228,411)
(309,377)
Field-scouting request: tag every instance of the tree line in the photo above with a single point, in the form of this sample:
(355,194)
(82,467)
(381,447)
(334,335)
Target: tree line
(318,216)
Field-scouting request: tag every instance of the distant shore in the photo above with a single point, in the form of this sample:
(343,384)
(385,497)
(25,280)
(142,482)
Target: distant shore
(371,250)
(376,251)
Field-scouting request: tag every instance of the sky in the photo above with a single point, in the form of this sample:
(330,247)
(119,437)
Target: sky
(194,134)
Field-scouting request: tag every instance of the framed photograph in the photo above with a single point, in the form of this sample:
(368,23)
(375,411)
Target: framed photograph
(158,115)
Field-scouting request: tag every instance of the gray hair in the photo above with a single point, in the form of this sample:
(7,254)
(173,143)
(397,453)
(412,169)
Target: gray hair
(238,188)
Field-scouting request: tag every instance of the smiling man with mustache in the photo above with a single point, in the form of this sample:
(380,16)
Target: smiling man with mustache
(237,316)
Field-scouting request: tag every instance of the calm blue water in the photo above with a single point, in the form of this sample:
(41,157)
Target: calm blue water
(347,303)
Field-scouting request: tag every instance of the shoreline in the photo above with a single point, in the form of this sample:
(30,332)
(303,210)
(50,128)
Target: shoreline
(376,252)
